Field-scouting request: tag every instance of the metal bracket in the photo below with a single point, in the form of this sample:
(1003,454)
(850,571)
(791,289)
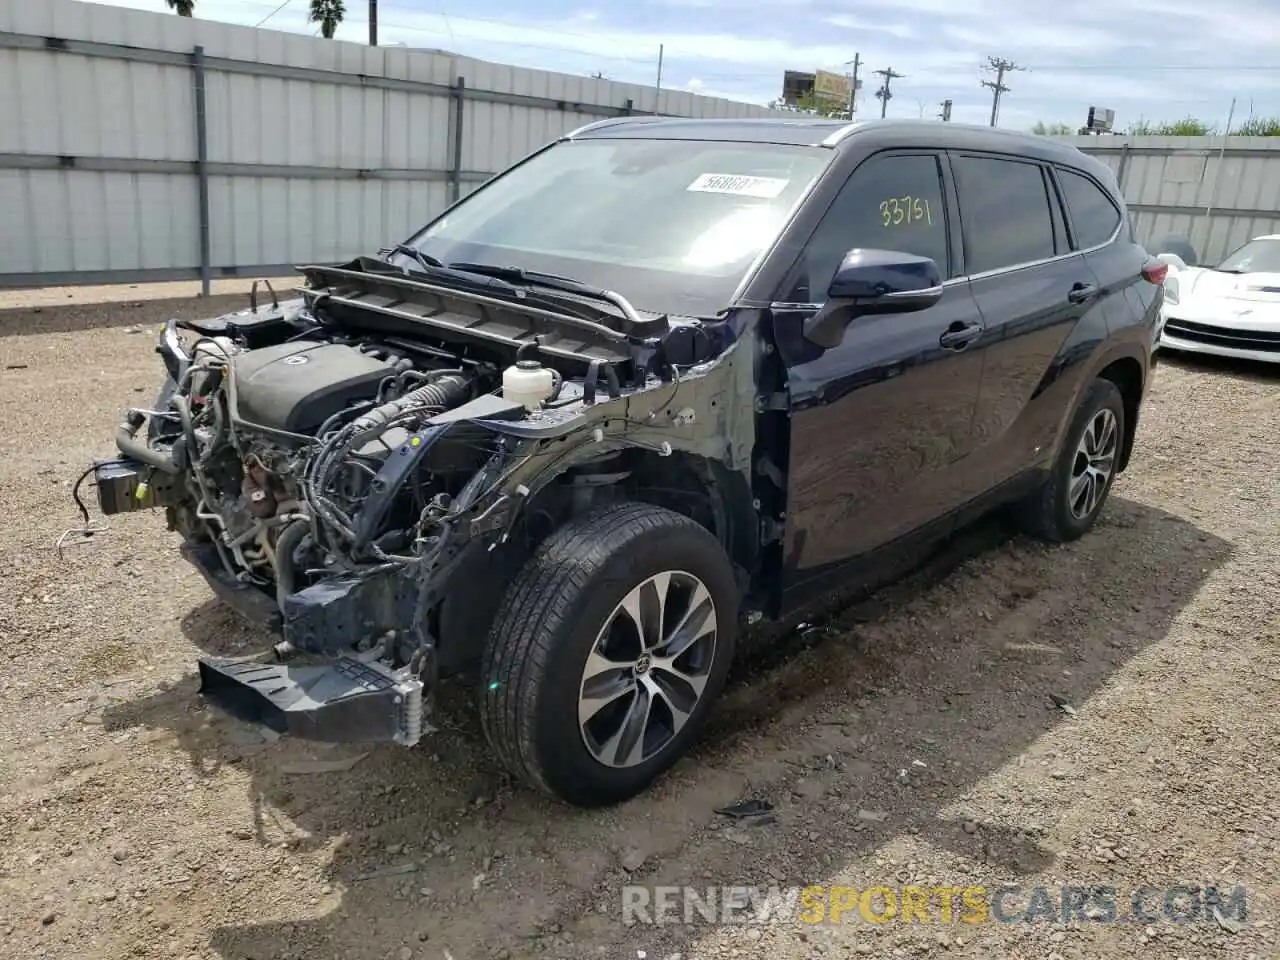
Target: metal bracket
(768,469)
(770,530)
(773,402)
(493,518)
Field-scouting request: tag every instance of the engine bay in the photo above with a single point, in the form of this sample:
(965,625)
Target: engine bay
(344,467)
(335,454)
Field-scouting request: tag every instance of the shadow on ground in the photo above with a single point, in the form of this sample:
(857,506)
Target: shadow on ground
(1251,370)
(941,667)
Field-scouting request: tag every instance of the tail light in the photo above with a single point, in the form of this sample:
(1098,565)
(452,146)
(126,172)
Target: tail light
(1155,272)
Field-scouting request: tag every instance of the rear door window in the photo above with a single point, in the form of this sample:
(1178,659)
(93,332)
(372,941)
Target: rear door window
(1094,217)
(1004,212)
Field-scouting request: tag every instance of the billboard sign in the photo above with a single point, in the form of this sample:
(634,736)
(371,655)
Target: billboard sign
(831,86)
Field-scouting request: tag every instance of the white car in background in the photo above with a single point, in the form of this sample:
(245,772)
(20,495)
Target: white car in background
(1231,310)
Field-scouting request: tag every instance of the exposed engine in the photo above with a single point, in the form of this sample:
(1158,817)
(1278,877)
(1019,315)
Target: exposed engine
(311,455)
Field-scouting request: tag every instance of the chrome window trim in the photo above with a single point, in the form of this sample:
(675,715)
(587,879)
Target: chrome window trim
(979,276)
(1115,234)
(928,291)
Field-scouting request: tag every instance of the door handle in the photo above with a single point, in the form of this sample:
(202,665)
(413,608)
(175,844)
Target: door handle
(1083,292)
(959,335)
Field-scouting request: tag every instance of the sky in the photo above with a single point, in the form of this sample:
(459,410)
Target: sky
(1147,60)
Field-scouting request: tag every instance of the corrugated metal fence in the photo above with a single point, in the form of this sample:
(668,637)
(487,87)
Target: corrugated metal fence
(1216,191)
(144,146)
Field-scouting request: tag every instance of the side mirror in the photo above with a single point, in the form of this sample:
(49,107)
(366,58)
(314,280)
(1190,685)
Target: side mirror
(872,282)
(1174,261)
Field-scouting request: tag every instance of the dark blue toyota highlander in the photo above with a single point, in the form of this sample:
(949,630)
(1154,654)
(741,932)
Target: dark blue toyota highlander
(660,379)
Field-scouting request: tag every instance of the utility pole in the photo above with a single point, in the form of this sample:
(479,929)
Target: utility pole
(945,115)
(884,95)
(1000,66)
(853,83)
(373,23)
(658,86)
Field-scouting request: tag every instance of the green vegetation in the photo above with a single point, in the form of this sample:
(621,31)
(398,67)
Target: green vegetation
(817,106)
(1258,127)
(1186,127)
(327,13)
(1053,129)
(183,8)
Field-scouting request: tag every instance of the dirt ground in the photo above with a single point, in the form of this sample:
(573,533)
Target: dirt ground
(918,738)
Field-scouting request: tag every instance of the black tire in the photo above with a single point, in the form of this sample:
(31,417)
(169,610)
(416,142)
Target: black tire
(1047,513)
(548,622)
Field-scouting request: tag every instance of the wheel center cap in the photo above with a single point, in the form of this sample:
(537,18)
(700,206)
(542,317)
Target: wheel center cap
(643,664)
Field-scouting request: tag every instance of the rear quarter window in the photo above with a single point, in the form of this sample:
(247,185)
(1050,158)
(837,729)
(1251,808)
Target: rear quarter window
(1094,217)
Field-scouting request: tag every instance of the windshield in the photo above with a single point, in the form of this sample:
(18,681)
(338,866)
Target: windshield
(1256,256)
(671,225)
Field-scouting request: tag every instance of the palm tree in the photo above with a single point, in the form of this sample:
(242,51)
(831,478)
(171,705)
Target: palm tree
(327,13)
(184,8)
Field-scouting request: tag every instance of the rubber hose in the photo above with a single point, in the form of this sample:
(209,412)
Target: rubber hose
(128,444)
(441,392)
(286,575)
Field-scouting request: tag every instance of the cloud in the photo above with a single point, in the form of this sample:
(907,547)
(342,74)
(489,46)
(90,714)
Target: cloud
(1142,58)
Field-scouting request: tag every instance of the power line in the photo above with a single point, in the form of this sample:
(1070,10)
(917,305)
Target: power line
(273,13)
(1120,67)
(1000,66)
(884,94)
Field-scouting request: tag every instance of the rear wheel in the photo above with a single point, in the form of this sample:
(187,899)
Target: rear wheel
(1068,504)
(607,652)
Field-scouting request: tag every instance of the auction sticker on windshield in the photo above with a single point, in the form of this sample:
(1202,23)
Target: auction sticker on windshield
(743,186)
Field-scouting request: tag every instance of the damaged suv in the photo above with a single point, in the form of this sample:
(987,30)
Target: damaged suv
(660,379)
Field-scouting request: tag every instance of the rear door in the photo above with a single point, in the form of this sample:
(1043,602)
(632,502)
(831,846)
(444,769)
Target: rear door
(1033,291)
(878,422)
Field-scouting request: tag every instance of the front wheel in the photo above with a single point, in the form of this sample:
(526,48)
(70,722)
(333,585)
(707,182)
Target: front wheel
(607,652)
(1068,503)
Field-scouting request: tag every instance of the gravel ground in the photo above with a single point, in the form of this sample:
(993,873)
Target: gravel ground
(915,738)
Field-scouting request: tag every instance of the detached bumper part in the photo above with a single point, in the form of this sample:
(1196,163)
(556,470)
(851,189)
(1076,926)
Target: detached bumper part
(347,701)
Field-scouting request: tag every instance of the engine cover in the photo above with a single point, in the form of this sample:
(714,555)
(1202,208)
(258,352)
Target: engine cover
(297,386)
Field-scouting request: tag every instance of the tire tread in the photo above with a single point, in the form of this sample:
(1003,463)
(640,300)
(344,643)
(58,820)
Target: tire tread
(535,613)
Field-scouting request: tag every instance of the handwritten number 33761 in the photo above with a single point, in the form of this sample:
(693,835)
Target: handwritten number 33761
(897,211)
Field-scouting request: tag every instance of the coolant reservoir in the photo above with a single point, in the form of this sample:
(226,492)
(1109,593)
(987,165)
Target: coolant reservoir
(528,382)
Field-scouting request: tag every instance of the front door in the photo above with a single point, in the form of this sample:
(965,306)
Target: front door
(879,421)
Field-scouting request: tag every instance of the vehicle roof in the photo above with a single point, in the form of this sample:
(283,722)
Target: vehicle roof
(837,134)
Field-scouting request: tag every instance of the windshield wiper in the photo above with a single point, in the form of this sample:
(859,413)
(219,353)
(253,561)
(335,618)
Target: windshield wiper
(1234,270)
(425,260)
(550,281)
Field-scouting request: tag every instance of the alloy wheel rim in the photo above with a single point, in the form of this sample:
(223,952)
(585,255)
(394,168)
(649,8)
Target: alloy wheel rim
(648,669)
(1094,464)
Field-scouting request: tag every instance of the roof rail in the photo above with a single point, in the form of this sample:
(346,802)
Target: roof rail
(834,138)
(599,124)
